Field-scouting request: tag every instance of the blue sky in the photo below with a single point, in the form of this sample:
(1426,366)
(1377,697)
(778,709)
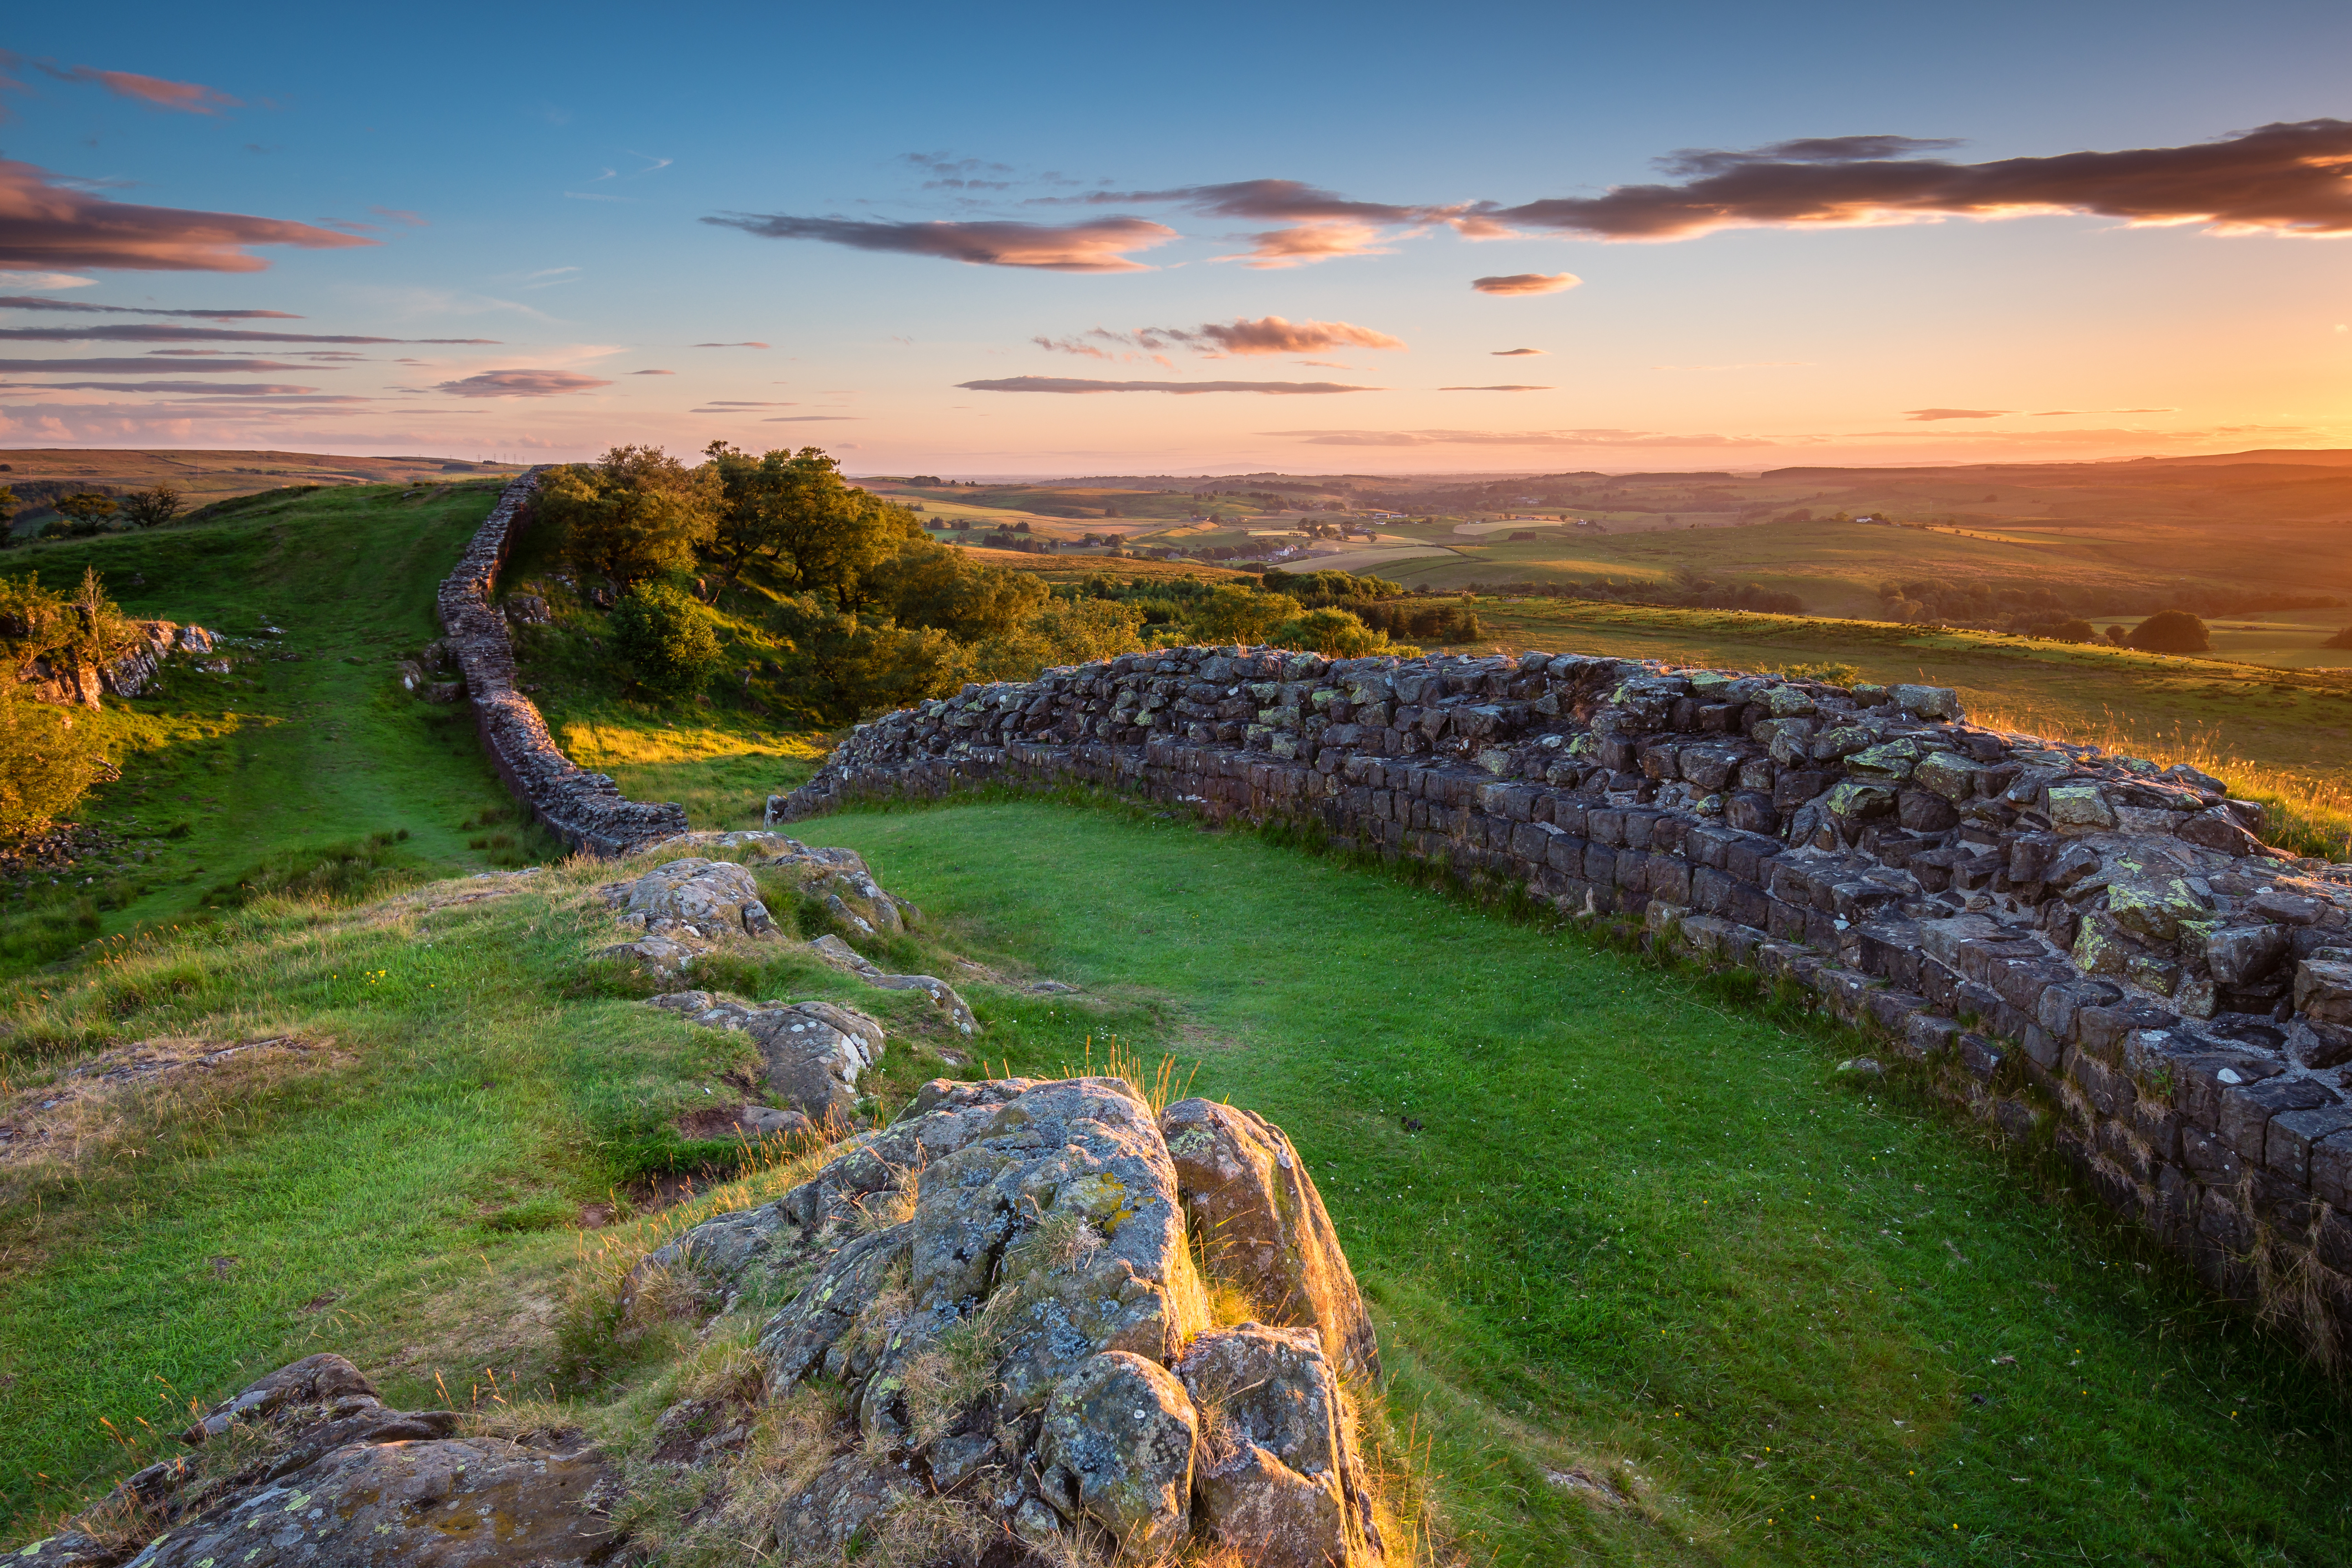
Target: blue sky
(542,177)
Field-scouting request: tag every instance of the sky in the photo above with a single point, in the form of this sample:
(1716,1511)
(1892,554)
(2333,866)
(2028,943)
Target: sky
(1060,240)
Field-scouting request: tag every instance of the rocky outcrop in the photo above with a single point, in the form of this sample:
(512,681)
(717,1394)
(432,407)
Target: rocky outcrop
(331,1477)
(585,810)
(1001,1289)
(813,1051)
(69,678)
(2065,939)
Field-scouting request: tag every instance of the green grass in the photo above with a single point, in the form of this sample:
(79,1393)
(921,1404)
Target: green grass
(1642,1229)
(221,772)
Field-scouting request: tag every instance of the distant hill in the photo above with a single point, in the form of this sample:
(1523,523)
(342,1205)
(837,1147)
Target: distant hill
(39,475)
(2313,457)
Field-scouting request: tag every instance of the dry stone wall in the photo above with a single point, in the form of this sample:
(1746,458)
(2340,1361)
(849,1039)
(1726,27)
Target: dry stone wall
(586,810)
(2076,945)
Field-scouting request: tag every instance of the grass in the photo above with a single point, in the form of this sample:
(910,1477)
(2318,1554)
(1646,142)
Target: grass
(307,739)
(1614,1223)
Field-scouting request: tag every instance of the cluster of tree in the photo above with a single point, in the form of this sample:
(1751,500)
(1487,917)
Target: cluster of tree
(2063,610)
(84,512)
(44,767)
(1332,612)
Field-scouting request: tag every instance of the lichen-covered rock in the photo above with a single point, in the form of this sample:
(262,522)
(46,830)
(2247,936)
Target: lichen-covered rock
(849,961)
(1247,1194)
(711,900)
(1117,1448)
(813,1051)
(1278,1477)
(338,1480)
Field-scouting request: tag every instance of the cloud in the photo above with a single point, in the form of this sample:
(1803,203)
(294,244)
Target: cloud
(1266,335)
(401,215)
(1526,283)
(145,333)
(1498,389)
(742,345)
(1321,224)
(1932,414)
(520,383)
(46,224)
(68,280)
(2282,178)
(1099,246)
(1514,354)
(26,303)
(1603,437)
(2055,413)
(1298,246)
(811,419)
(652,373)
(1181,388)
(183,388)
(127,364)
(185,97)
(958,174)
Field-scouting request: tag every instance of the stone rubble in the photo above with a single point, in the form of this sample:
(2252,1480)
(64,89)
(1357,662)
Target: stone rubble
(2066,938)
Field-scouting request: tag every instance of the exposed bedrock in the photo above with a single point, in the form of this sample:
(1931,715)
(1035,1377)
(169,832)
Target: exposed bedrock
(586,810)
(2067,939)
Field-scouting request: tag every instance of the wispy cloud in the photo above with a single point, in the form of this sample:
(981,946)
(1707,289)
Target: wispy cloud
(1309,242)
(1101,244)
(1526,283)
(1514,354)
(743,345)
(812,420)
(401,215)
(1216,340)
(75,307)
(2059,413)
(132,364)
(46,224)
(1928,414)
(146,334)
(154,91)
(1498,389)
(652,373)
(1181,388)
(2281,178)
(520,383)
(178,388)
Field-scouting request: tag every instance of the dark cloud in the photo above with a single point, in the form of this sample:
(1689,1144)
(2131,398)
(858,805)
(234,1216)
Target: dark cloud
(1099,246)
(2282,178)
(29,302)
(1514,354)
(1498,389)
(1932,414)
(154,334)
(742,345)
(123,364)
(46,224)
(1526,283)
(180,388)
(186,97)
(1181,388)
(520,383)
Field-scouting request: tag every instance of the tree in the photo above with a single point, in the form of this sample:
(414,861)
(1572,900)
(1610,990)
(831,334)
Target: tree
(932,584)
(666,639)
(1230,612)
(839,667)
(2076,630)
(2171,631)
(7,517)
(80,514)
(153,508)
(1334,633)
(794,510)
(638,514)
(42,770)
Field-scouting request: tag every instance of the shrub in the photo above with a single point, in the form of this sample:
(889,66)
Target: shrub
(1230,612)
(2169,631)
(2115,635)
(1333,633)
(2341,639)
(2075,631)
(43,769)
(839,666)
(666,639)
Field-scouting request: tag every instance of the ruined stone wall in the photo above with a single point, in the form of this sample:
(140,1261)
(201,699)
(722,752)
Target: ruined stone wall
(586,810)
(2071,943)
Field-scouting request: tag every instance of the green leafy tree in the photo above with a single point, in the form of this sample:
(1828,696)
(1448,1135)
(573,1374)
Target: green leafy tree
(794,510)
(668,640)
(153,508)
(80,514)
(42,770)
(1333,633)
(1230,612)
(7,517)
(932,584)
(839,667)
(639,514)
(2171,631)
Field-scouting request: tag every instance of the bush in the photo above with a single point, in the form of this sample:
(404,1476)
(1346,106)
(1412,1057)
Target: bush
(2075,631)
(2169,631)
(43,769)
(1335,633)
(2341,639)
(666,639)
(839,667)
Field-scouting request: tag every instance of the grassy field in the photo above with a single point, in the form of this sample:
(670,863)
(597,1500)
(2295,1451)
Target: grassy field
(309,740)
(1655,1285)
(205,477)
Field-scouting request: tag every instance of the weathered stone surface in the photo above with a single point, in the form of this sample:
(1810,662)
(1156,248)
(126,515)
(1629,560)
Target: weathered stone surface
(1277,1476)
(838,954)
(1247,1194)
(712,899)
(1117,1448)
(813,1051)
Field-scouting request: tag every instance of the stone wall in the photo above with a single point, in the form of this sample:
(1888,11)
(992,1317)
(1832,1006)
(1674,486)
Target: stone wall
(586,810)
(2074,944)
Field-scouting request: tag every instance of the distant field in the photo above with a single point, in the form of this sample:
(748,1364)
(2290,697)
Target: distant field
(205,477)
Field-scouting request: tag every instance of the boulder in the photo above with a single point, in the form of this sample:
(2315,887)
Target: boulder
(831,950)
(1247,1194)
(709,899)
(813,1051)
(1278,1477)
(1117,1448)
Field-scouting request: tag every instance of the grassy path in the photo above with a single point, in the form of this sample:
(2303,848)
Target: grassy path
(309,740)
